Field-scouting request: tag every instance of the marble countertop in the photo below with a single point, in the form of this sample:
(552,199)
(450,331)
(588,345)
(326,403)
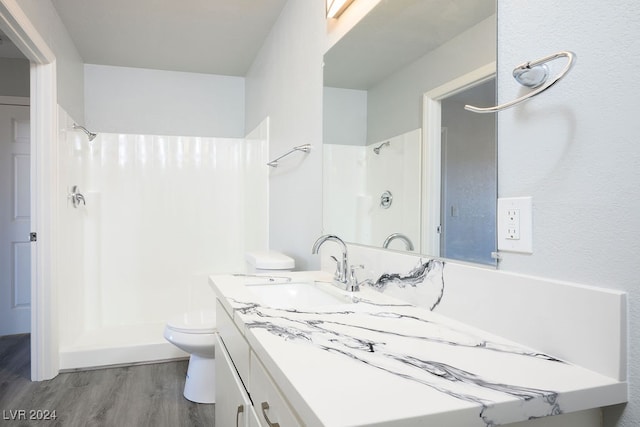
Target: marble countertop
(381,361)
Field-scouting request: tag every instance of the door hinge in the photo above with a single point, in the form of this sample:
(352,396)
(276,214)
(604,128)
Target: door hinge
(33,236)
(439,229)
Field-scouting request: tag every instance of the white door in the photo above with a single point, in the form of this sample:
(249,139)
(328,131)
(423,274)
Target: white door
(15,221)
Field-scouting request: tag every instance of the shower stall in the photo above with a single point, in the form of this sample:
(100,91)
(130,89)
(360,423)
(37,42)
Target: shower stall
(158,215)
(372,192)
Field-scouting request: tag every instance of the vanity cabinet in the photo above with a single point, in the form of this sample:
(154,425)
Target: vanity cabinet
(234,341)
(268,401)
(245,394)
(233,406)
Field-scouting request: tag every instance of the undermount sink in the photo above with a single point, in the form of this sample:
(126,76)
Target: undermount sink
(298,295)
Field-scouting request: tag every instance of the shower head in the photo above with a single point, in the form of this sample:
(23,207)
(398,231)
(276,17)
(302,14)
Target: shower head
(377,149)
(90,135)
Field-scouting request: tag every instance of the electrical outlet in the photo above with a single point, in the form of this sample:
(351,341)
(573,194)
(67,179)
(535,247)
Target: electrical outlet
(515,224)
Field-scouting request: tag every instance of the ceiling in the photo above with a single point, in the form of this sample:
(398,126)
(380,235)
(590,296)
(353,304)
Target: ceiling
(202,36)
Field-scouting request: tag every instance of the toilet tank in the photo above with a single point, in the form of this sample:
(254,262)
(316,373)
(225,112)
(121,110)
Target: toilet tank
(268,262)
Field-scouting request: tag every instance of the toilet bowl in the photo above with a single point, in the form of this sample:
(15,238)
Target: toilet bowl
(194,332)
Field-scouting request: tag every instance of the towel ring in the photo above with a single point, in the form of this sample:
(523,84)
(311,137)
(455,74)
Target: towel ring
(531,74)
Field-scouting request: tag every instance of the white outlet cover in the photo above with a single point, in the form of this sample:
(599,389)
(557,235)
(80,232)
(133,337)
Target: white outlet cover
(524,205)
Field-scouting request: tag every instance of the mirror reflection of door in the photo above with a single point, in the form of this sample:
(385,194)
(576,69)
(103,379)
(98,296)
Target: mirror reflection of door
(469,182)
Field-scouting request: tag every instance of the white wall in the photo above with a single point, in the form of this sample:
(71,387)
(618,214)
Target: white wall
(256,180)
(575,150)
(142,101)
(396,169)
(395,104)
(69,64)
(14,77)
(354,179)
(344,113)
(345,203)
(284,83)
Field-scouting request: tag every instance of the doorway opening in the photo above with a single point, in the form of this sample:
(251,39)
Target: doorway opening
(43,200)
(457,222)
(468,179)
(15,196)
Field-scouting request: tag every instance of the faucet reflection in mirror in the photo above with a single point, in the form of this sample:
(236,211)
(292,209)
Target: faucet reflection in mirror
(393,236)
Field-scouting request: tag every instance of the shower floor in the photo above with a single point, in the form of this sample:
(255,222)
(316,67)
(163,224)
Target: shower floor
(118,345)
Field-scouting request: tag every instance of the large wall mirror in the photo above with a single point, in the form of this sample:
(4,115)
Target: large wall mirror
(405,166)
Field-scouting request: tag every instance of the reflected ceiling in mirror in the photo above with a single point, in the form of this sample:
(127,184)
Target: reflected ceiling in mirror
(396,33)
(375,78)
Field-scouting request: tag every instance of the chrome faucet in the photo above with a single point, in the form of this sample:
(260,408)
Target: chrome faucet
(400,236)
(341,275)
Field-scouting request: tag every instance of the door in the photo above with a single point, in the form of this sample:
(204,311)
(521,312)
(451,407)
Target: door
(15,221)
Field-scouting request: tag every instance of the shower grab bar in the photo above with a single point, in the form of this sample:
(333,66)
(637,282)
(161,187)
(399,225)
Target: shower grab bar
(531,74)
(304,148)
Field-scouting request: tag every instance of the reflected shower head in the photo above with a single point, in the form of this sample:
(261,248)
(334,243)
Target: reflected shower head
(377,149)
(90,135)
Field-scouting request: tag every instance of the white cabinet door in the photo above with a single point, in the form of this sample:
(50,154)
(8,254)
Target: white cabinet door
(252,418)
(234,341)
(233,406)
(270,404)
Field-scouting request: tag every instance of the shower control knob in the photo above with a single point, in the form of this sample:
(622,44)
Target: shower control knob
(386,199)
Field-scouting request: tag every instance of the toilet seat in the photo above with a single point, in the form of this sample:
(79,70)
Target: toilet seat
(194,322)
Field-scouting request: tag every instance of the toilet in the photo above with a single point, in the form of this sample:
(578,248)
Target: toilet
(194,331)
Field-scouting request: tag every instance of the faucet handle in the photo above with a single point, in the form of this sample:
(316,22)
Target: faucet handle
(353,284)
(339,273)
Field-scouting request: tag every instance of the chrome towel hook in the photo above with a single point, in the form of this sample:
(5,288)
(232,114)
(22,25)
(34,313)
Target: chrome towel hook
(532,74)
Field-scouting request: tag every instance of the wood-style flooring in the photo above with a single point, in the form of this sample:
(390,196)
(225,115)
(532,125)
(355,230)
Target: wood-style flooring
(136,396)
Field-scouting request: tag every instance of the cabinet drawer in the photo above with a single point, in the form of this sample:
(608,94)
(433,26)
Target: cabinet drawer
(234,342)
(268,402)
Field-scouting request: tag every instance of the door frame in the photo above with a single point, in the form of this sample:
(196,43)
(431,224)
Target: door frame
(432,151)
(44,187)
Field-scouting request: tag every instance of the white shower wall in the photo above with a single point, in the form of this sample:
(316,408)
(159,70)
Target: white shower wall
(396,169)
(161,215)
(354,179)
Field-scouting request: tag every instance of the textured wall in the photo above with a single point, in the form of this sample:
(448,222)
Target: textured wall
(14,77)
(69,64)
(344,116)
(575,150)
(285,84)
(156,102)
(395,104)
